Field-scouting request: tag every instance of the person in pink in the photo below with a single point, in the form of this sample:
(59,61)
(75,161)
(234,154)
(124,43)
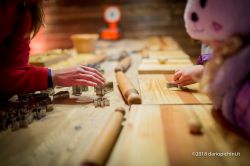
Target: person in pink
(225,27)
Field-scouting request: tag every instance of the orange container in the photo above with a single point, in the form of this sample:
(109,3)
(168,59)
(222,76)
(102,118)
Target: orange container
(84,43)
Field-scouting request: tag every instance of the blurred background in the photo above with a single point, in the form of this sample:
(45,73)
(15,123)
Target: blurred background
(140,19)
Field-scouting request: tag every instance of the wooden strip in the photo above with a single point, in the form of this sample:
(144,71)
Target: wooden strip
(190,97)
(154,65)
(154,91)
(187,97)
(178,54)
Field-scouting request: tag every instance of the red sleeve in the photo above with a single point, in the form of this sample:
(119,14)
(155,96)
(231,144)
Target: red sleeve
(23,80)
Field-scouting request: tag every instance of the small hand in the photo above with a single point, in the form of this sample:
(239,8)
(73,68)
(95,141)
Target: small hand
(77,76)
(188,75)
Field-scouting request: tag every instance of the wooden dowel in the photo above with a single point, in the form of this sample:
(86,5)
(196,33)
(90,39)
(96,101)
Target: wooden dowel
(129,92)
(124,64)
(103,144)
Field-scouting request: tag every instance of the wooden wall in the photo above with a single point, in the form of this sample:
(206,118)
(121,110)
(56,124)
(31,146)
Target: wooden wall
(140,18)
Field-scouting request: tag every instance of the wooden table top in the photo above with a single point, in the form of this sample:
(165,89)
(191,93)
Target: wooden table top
(152,134)
(159,135)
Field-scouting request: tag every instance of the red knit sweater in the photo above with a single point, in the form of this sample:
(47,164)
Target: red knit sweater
(16,75)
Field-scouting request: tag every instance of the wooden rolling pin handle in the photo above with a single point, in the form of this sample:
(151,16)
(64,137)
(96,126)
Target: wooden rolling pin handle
(124,64)
(132,95)
(134,98)
(104,142)
(119,68)
(121,110)
(127,89)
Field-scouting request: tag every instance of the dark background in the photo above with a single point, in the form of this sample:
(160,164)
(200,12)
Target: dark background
(140,18)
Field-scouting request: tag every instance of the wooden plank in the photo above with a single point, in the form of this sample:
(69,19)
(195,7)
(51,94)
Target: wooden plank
(169,42)
(171,54)
(159,135)
(141,141)
(162,43)
(154,66)
(154,91)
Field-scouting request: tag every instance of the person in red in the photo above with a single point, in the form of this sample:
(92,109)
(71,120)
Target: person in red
(20,20)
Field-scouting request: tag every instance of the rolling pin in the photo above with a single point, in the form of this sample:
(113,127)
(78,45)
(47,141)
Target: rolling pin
(130,94)
(124,64)
(103,144)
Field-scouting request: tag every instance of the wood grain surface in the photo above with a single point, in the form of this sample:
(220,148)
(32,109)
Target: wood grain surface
(84,59)
(159,135)
(154,91)
(162,43)
(153,66)
(170,54)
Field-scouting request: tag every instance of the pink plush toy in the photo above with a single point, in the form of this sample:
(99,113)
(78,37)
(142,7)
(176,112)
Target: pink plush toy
(225,26)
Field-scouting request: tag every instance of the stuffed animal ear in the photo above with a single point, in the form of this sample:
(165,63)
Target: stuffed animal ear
(217,20)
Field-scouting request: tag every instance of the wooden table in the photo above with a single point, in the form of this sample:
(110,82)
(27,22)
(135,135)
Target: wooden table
(152,134)
(154,90)
(159,135)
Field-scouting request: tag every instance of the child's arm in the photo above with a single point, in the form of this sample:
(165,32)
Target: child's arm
(192,74)
(29,79)
(189,75)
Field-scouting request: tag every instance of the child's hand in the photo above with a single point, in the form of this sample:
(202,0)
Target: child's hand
(77,76)
(188,75)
